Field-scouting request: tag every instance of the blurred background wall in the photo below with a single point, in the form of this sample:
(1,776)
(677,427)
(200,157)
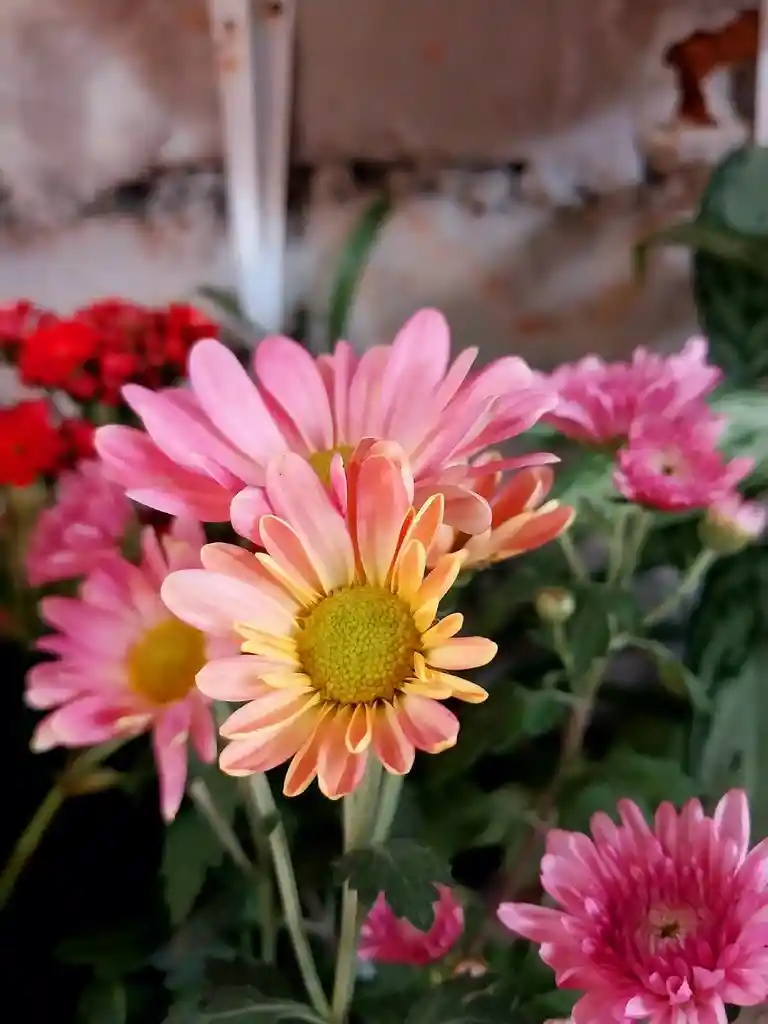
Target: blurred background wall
(518,137)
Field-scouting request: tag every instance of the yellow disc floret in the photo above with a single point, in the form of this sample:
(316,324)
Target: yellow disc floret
(357,644)
(162,665)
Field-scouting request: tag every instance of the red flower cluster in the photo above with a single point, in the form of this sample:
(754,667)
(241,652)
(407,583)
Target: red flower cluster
(93,353)
(33,444)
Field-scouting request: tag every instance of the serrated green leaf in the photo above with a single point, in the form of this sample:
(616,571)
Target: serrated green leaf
(103,1002)
(673,674)
(352,263)
(403,870)
(191,849)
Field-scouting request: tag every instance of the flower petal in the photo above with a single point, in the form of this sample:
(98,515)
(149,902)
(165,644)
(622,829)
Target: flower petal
(216,603)
(429,725)
(290,375)
(462,652)
(393,748)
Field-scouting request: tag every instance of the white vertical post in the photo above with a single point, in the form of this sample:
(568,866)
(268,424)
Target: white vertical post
(761,79)
(254,53)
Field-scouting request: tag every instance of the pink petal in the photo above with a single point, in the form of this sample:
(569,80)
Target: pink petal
(296,494)
(429,725)
(169,745)
(236,678)
(152,479)
(268,748)
(202,728)
(246,510)
(275,707)
(364,415)
(393,748)
(732,820)
(381,502)
(462,652)
(83,722)
(290,375)
(539,924)
(339,771)
(232,402)
(215,603)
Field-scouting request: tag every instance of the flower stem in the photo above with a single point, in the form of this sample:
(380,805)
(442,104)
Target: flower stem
(261,795)
(690,582)
(572,557)
(361,811)
(391,788)
(29,840)
(203,800)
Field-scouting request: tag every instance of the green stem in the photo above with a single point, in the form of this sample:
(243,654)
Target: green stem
(29,840)
(391,788)
(572,557)
(203,800)
(268,922)
(360,812)
(264,803)
(690,582)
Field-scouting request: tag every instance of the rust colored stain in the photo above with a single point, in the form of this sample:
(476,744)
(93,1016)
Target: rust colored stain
(532,324)
(699,55)
(434,52)
(227,45)
(273,9)
(194,18)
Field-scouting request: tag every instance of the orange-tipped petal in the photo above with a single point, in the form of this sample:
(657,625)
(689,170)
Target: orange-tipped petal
(522,493)
(427,521)
(393,748)
(428,724)
(440,580)
(358,735)
(409,573)
(460,688)
(285,547)
(270,747)
(273,708)
(338,770)
(303,767)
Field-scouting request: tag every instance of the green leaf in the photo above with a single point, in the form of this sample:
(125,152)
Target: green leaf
(602,609)
(755,729)
(702,236)
(242,1005)
(673,674)
(103,1002)
(584,475)
(403,870)
(485,1000)
(352,263)
(744,199)
(191,849)
(745,413)
(109,953)
(724,744)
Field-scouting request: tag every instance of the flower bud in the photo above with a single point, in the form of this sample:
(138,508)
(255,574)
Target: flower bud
(555,604)
(471,966)
(732,524)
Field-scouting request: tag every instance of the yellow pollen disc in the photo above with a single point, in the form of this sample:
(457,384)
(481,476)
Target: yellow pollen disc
(357,645)
(162,665)
(321,461)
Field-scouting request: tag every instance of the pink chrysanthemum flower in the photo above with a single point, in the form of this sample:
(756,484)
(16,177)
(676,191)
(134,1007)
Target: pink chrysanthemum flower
(599,402)
(519,523)
(387,939)
(85,525)
(207,447)
(343,655)
(124,664)
(677,466)
(664,924)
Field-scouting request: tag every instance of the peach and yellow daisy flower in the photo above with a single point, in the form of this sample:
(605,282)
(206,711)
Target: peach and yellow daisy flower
(343,654)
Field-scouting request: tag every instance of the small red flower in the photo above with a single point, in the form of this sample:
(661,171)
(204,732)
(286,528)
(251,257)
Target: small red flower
(57,355)
(77,438)
(17,321)
(30,445)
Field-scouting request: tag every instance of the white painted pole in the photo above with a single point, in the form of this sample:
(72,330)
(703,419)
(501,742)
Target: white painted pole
(761,80)
(254,53)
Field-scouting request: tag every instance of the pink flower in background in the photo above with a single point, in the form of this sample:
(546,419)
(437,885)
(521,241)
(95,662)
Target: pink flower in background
(521,519)
(85,525)
(746,518)
(599,402)
(125,665)
(387,939)
(664,924)
(206,448)
(676,466)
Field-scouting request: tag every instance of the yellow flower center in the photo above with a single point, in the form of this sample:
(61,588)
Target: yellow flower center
(321,461)
(357,644)
(162,665)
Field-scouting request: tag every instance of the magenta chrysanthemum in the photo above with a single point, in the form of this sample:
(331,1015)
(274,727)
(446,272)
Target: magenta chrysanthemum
(84,526)
(665,924)
(206,448)
(599,402)
(388,939)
